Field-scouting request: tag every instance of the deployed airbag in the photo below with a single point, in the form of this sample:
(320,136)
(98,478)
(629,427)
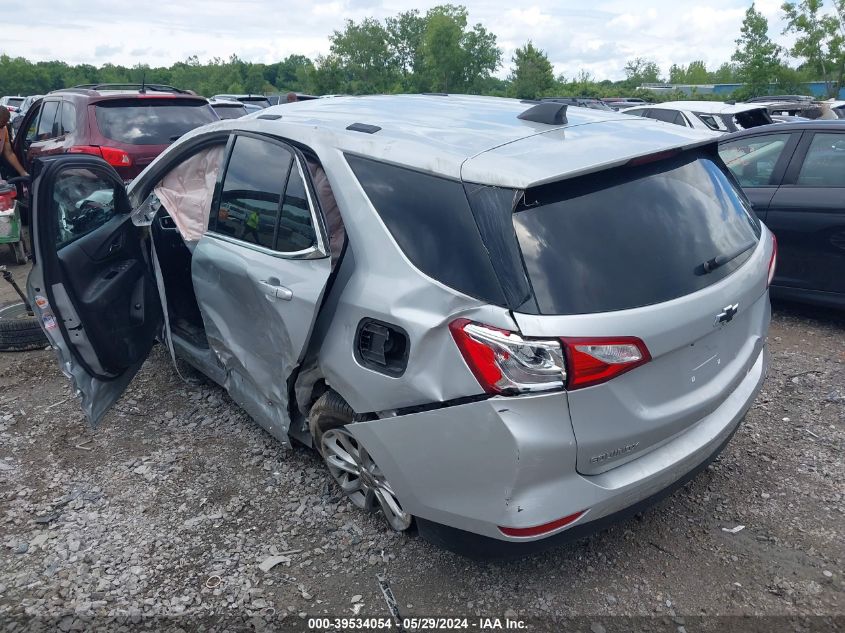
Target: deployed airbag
(187,190)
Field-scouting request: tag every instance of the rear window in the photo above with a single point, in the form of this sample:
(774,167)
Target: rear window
(16,101)
(230,111)
(151,121)
(751,118)
(635,236)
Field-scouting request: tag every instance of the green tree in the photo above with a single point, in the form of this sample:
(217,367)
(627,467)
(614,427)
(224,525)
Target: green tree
(454,58)
(821,39)
(725,74)
(639,71)
(254,81)
(757,56)
(364,53)
(697,73)
(532,74)
(677,74)
(405,35)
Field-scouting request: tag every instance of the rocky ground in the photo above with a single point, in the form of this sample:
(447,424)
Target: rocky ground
(164,515)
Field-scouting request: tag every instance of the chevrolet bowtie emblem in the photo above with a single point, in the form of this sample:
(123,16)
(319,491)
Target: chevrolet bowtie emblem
(727,314)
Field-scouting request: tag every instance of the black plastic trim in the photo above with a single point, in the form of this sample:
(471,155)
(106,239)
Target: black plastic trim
(548,112)
(366,128)
(402,362)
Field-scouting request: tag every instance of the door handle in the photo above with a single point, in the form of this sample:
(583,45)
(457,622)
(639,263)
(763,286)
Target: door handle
(273,288)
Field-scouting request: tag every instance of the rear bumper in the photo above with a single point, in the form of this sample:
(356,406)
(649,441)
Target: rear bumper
(512,462)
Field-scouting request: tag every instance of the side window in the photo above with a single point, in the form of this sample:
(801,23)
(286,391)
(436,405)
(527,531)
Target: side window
(640,112)
(68,117)
(47,122)
(296,232)
(252,191)
(82,202)
(667,116)
(680,119)
(824,165)
(752,160)
(432,222)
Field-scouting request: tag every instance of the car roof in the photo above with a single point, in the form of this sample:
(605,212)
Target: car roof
(824,125)
(242,97)
(707,107)
(122,91)
(447,135)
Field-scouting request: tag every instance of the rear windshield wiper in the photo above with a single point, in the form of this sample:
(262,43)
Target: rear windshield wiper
(720,260)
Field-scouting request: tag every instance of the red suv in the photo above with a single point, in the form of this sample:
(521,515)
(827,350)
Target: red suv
(128,125)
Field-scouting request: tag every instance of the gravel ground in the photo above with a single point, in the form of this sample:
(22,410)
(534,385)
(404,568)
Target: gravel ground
(164,515)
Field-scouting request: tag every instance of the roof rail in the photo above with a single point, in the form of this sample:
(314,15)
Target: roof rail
(132,86)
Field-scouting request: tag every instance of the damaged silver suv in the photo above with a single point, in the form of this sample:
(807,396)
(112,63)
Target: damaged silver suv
(500,321)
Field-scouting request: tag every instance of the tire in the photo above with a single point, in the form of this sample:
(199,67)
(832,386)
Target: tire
(19,331)
(350,465)
(330,411)
(18,252)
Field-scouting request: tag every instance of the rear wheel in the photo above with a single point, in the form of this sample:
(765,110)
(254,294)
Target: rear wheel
(18,252)
(349,463)
(20,330)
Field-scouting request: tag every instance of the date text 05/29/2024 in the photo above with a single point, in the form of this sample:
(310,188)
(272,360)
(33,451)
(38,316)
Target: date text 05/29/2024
(417,624)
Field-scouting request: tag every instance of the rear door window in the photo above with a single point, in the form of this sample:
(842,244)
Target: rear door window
(824,165)
(68,117)
(252,191)
(753,160)
(151,121)
(47,124)
(635,236)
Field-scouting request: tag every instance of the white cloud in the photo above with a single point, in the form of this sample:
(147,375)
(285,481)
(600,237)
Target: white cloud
(598,37)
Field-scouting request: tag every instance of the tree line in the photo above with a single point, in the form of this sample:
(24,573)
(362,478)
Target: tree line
(439,51)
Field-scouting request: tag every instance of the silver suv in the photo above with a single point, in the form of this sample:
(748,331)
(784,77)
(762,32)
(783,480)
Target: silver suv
(499,321)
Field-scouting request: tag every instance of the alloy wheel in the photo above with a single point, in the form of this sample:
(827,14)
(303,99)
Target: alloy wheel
(360,478)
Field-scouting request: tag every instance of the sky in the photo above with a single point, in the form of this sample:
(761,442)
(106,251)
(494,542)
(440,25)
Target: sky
(598,36)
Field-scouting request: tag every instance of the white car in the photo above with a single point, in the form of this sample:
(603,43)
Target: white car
(710,116)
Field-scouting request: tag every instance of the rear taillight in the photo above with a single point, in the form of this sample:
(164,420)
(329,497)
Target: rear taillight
(592,361)
(773,261)
(7,199)
(504,362)
(112,155)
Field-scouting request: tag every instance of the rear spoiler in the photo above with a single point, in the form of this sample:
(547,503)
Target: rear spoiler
(709,146)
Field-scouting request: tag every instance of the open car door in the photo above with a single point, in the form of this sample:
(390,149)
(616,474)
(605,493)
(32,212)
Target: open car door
(90,284)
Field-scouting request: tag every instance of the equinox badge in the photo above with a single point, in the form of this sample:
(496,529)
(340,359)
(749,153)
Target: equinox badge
(727,314)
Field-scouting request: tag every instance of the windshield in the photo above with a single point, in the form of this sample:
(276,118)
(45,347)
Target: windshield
(634,237)
(151,121)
